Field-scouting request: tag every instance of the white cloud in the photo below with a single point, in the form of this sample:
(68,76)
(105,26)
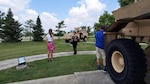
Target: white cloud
(85,14)
(28,14)
(17,6)
(20,9)
(48,21)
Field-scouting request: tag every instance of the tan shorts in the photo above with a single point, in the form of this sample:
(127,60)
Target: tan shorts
(100,53)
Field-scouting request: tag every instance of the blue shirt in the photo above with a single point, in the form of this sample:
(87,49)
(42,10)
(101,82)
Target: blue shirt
(99,36)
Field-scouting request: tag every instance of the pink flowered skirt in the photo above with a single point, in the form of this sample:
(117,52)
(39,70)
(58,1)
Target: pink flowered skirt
(50,46)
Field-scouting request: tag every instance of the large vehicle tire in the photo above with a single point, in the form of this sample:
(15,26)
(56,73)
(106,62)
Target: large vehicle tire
(85,39)
(126,62)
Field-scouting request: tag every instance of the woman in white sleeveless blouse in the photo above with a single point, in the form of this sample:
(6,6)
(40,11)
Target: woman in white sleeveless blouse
(50,45)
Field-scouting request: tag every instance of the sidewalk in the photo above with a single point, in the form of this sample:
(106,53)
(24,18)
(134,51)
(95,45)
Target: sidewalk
(13,62)
(88,77)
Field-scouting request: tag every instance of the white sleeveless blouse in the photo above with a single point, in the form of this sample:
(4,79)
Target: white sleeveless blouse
(49,38)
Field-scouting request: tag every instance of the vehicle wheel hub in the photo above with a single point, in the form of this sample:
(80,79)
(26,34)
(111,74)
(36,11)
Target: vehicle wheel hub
(117,61)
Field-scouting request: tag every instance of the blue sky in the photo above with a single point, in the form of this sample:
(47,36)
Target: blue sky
(58,7)
(75,13)
(62,7)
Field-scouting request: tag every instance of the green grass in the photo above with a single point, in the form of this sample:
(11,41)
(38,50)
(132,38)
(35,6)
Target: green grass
(26,48)
(42,68)
(91,38)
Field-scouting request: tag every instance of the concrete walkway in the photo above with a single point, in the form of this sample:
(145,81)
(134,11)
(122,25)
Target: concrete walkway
(89,77)
(13,62)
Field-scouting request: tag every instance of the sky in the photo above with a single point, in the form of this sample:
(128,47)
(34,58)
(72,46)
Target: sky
(74,13)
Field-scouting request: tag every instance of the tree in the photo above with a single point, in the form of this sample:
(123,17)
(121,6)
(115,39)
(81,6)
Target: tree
(61,33)
(125,2)
(1,23)
(29,24)
(38,32)
(89,30)
(96,27)
(106,20)
(59,26)
(83,27)
(1,18)
(11,30)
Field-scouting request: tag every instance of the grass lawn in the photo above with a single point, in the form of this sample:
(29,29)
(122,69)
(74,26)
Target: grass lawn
(26,48)
(91,38)
(42,68)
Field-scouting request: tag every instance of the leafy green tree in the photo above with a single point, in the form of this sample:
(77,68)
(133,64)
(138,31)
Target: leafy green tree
(61,33)
(29,24)
(96,27)
(89,30)
(59,26)
(83,27)
(106,20)
(125,2)
(38,32)
(11,30)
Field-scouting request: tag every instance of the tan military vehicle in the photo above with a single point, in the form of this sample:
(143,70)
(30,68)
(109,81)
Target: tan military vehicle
(126,61)
(81,33)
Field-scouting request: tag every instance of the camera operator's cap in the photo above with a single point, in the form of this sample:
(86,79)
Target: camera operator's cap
(102,27)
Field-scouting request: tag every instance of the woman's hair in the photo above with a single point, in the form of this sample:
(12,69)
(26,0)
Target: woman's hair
(50,32)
